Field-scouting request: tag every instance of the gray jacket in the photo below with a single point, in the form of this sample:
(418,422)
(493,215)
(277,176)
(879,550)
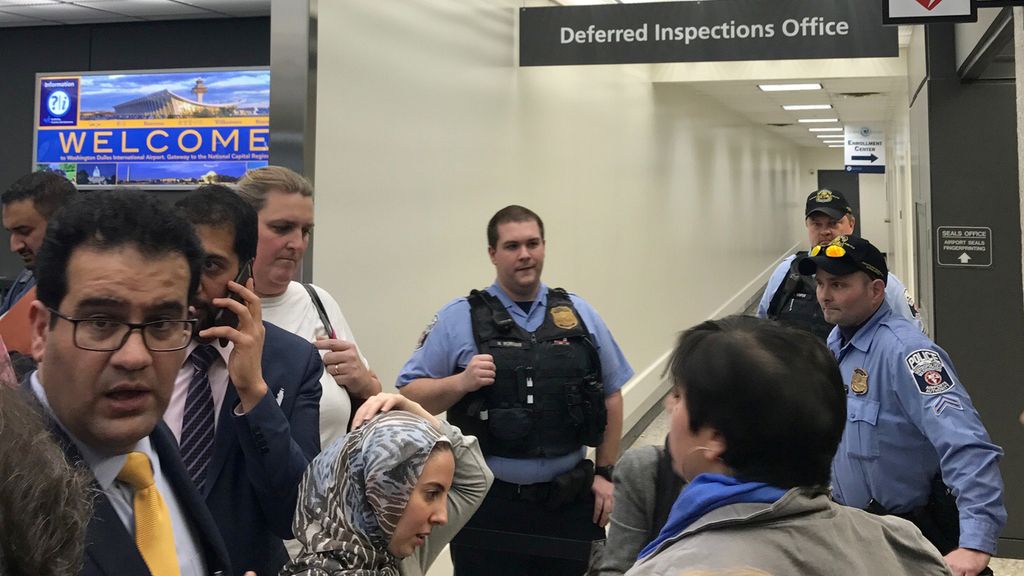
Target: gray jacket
(803,533)
(636,475)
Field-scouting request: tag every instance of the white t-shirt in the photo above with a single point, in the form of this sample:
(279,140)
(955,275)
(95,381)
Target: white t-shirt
(295,312)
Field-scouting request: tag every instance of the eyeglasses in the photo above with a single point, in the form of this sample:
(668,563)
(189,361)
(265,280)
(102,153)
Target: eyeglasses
(105,335)
(832,251)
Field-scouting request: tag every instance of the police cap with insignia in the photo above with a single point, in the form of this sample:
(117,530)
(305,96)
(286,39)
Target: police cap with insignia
(829,203)
(846,255)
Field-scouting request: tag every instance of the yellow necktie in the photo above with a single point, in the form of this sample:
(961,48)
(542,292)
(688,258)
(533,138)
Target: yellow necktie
(153,533)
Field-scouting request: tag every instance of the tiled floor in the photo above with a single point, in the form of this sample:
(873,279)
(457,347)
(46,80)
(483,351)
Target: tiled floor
(655,435)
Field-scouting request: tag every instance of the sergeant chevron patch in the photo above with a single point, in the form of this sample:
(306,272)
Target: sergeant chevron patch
(944,402)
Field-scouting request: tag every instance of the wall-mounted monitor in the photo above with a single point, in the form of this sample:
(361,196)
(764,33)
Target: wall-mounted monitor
(153,129)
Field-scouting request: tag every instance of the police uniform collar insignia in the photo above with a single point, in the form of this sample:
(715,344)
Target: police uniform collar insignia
(824,196)
(564,317)
(859,382)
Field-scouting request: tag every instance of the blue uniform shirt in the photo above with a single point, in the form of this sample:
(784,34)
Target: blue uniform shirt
(896,295)
(908,417)
(22,284)
(448,346)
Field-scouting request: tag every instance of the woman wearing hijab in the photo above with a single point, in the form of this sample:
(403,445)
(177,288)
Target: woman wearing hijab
(757,412)
(387,497)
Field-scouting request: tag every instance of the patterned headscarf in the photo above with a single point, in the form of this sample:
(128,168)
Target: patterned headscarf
(353,494)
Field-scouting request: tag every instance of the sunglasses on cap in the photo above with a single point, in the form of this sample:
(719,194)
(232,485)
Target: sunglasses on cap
(837,249)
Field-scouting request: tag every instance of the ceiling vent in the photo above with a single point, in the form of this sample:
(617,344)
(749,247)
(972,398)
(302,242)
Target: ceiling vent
(857,94)
(779,125)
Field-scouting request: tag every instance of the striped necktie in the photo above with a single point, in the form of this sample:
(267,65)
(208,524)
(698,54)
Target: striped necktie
(154,535)
(197,427)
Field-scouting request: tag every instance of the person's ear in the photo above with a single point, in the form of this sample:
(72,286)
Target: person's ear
(714,442)
(39,321)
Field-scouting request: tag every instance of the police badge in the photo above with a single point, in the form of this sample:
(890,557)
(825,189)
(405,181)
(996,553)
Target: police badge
(564,317)
(859,382)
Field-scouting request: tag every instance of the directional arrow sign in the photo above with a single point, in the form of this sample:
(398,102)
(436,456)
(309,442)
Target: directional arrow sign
(864,149)
(963,246)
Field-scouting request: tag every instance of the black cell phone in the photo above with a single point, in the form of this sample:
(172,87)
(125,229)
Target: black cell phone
(226,317)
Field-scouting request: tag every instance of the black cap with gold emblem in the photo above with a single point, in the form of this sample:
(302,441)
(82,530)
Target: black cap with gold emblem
(828,202)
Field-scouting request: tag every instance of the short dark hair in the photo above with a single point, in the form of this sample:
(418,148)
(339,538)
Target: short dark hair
(45,503)
(774,393)
(108,220)
(513,213)
(47,190)
(218,206)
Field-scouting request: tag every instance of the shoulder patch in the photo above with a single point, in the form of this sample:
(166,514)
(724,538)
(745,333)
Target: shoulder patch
(929,372)
(910,303)
(426,332)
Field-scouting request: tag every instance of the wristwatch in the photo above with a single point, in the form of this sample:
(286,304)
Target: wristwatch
(605,471)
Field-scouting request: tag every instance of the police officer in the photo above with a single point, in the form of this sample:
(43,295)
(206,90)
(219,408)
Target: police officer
(790,296)
(535,373)
(911,427)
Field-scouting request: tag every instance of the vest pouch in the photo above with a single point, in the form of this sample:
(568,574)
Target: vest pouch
(595,413)
(510,426)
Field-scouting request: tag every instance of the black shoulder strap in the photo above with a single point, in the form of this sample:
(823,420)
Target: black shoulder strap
(319,305)
(787,288)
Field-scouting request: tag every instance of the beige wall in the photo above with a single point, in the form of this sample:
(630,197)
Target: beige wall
(661,207)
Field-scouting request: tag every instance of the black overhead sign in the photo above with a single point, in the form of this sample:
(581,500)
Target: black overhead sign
(709,31)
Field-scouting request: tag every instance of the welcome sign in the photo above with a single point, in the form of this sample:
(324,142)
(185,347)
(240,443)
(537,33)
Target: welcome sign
(703,32)
(153,128)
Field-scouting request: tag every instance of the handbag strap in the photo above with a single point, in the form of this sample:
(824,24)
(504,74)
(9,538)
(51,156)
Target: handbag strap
(319,305)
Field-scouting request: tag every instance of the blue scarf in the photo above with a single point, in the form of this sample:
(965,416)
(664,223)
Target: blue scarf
(705,493)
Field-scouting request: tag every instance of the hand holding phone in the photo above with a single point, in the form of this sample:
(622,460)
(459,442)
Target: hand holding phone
(226,317)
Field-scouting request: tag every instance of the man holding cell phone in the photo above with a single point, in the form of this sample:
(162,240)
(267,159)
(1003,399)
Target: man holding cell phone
(245,405)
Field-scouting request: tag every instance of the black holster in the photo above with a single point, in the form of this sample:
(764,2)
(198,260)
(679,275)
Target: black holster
(568,487)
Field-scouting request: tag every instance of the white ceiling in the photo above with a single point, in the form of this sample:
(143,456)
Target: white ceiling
(54,12)
(765,108)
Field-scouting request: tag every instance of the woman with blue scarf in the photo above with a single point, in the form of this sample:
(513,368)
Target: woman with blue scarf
(757,412)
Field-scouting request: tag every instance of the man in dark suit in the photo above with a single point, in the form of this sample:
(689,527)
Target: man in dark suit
(245,407)
(109,329)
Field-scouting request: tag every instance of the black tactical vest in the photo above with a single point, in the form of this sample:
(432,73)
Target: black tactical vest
(547,398)
(795,303)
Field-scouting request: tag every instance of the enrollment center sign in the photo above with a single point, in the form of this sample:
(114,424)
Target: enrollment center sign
(864,149)
(706,31)
(153,128)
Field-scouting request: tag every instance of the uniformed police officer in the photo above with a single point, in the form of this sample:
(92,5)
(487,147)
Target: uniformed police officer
(789,296)
(535,373)
(911,427)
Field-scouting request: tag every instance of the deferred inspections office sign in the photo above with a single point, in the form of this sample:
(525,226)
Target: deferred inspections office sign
(703,32)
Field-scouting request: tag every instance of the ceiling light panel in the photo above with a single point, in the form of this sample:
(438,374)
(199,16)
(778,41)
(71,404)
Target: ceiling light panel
(798,107)
(824,129)
(788,87)
(817,120)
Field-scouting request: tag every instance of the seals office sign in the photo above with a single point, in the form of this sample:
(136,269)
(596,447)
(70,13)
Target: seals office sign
(704,32)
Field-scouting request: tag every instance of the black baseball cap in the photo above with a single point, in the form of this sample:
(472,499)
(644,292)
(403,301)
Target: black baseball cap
(828,202)
(846,255)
